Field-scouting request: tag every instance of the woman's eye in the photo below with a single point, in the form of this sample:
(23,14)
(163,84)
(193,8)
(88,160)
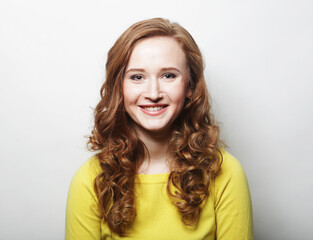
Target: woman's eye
(169,75)
(136,77)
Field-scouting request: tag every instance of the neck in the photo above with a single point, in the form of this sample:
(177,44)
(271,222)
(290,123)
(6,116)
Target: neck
(156,144)
(155,160)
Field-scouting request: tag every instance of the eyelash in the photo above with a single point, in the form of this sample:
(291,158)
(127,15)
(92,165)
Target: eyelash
(169,75)
(135,77)
(166,75)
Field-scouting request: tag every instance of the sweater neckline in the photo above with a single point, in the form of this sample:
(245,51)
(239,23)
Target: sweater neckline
(152,178)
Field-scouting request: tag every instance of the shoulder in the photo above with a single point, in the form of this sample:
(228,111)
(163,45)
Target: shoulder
(84,177)
(82,216)
(231,178)
(232,201)
(81,194)
(89,170)
(230,166)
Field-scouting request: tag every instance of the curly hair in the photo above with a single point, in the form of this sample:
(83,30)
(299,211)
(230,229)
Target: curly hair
(194,142)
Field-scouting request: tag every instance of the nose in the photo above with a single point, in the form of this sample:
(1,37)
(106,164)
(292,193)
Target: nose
(153,90)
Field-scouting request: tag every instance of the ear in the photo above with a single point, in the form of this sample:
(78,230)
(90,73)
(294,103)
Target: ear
(188,92)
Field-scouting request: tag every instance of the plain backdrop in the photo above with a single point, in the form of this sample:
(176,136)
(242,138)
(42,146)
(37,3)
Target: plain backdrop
(259,71)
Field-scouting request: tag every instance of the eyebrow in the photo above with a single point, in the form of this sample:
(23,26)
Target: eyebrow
(161,70)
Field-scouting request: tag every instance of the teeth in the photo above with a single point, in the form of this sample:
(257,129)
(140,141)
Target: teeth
(153,109)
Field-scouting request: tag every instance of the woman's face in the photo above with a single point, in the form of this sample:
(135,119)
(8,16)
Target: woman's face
(155,84)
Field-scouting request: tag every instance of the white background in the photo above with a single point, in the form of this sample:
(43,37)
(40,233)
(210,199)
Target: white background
(259,71)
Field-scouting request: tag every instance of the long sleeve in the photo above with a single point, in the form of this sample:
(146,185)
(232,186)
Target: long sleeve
(232,202)
(82,217)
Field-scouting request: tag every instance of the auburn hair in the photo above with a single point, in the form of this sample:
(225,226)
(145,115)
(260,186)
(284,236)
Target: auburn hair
(194,142)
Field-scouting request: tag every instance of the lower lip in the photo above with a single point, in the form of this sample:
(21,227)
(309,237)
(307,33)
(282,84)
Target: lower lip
(154,113)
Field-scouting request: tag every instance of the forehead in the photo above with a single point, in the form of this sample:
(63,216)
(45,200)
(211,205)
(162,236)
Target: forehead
(157,51)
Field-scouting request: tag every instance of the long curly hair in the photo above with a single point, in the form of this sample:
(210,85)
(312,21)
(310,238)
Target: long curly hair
(194,142)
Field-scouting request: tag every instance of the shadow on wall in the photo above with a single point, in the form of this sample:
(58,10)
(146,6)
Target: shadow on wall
(268,225)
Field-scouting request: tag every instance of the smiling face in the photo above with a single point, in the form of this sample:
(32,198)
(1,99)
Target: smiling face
(155,84)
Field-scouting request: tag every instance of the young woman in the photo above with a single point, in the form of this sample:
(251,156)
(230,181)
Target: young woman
(160,172)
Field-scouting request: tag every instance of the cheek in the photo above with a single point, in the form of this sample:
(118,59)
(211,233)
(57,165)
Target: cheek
(128,102)
(178,93)
(131,95)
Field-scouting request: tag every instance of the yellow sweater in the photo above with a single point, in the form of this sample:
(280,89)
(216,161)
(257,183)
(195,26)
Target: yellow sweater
(225,215)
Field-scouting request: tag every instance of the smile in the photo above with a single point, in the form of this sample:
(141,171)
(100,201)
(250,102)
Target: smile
(154,110)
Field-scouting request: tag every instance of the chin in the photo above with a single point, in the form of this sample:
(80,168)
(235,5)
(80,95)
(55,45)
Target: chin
(157,129)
